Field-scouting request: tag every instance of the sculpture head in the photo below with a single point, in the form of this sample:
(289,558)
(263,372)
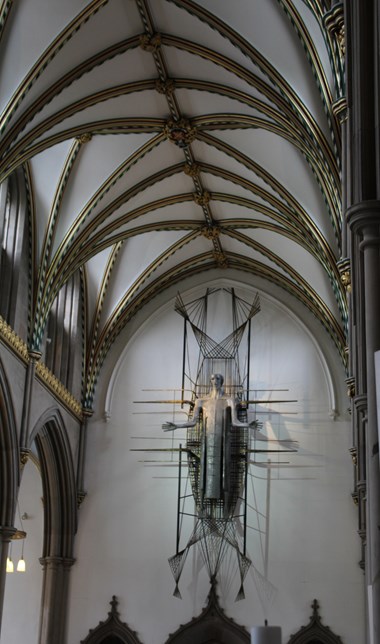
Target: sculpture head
(217,381)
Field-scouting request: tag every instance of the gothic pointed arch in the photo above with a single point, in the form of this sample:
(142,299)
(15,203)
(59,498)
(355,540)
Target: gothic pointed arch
(112,631)
(15,252)
(212,625)
(9,453)
(315,632)
(9,476)
(58,483)
(62,344)
(60,522)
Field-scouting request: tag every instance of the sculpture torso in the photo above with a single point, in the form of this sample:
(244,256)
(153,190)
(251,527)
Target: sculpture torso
(214,418)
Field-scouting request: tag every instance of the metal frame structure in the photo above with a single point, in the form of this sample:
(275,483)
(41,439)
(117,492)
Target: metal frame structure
(216,515)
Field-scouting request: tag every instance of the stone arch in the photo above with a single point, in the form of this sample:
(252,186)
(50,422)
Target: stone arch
(9,476)
(315,632)
(58,482)
(14,252)
(9,454)
(62,344)
(60,522)
(112,631)
(212,625)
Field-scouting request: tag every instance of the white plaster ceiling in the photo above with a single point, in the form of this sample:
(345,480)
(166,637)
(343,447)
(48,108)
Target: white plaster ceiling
(90,95)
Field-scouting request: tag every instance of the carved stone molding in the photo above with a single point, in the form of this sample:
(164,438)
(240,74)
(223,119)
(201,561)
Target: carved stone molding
(354,455)
(220,259)
(24,456)
(203,199)
(344,267)
(166,87)
(211,232)
(315,631)
(81,497)
(46,377)
(211,625)
(84,138)
(334,23)
(150,42)
(340,109)
(58,389)
(192,170)
(12,340)
(180,132)
(112,627)
(351,389)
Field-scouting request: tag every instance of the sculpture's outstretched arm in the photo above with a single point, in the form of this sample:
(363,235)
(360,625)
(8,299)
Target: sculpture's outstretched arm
(168,427)
(235,422)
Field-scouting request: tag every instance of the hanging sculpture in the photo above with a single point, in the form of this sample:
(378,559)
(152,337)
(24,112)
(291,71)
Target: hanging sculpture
(220,435)
(218,443)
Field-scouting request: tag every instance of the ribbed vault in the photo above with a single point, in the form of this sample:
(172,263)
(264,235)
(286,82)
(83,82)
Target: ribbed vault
(163,140)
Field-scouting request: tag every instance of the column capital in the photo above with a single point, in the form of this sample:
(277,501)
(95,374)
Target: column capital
(34,355)
(54,563)
(7,532)
(361,402)
(351,386)
(363,215)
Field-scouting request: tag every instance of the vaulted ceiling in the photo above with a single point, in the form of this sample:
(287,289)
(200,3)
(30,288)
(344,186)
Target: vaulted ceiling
(162,139)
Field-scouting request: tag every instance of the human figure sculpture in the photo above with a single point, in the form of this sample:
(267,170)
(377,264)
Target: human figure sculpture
(214,409)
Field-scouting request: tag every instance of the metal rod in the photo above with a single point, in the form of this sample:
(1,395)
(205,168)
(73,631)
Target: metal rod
(267,522)
(248,361)
(179,496)
(184,359)
(245,503)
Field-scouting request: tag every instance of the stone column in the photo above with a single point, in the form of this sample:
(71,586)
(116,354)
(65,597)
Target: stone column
(360,407)
(55,593)
(34,356)
(86,414)
(6,534)
(364,222)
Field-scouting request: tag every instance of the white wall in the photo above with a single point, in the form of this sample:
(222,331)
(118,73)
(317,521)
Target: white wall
(308,534)
(23,590)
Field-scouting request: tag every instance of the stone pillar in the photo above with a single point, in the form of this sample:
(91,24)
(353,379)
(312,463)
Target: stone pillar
(86,414)
(6,534)
(34,356)
(55,592)
(363,220)
(360,461)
